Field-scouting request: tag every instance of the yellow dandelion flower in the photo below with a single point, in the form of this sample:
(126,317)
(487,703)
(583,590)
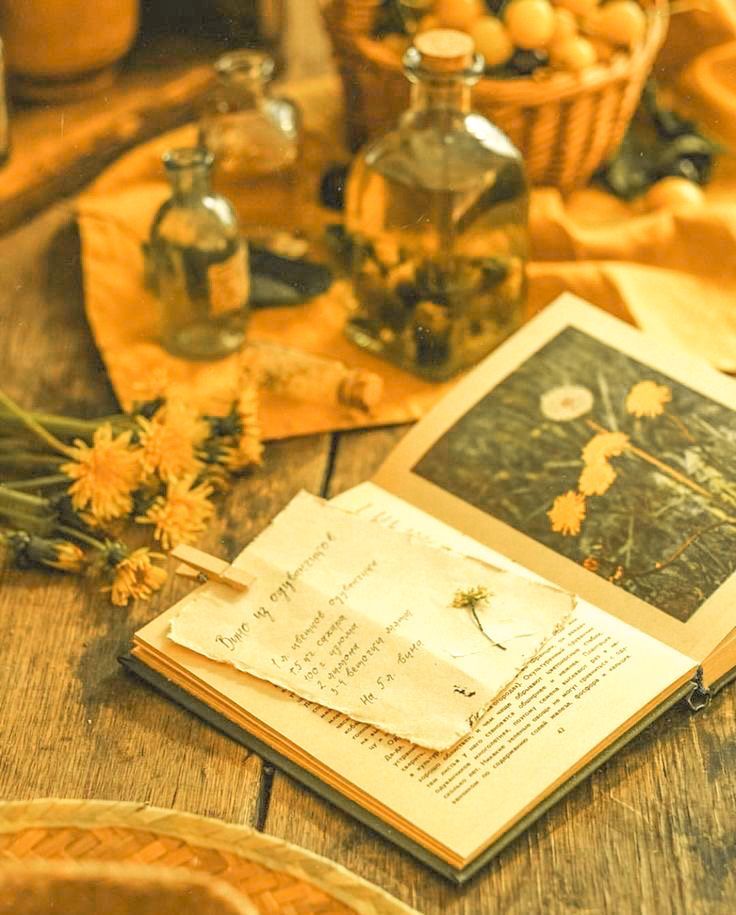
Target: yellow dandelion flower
(567,513)
(245,454)
(28,549)
(136,577)
(248,450)
(170,441)
(596,479)
(104,474)
(647,398)
(605,445)
(67,557)
(181,514)
(247,405)
(249,366)
(591,564)
(469,597)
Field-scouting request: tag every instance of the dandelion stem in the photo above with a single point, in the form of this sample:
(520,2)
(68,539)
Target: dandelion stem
(480,626)
(688,541)
(34,426)
(55,479)
(660,465)
(64,426)
(7,443)
(676,421)
(28,459)
(11,501)
(27,512)
(31,524)
(81,536)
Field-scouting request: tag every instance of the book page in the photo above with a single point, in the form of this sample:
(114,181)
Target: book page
(364,619)
(600,460)
(590,681)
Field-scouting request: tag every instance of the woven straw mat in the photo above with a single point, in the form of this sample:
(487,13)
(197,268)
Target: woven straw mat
(279,878)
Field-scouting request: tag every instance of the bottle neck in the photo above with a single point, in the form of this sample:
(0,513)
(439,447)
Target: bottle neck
(440,95)
(244,77)
(188,170)
(245,90)
(192,182)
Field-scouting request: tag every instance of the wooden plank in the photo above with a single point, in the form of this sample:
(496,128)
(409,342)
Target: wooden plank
(57,149)
(359,455)
(72,724)
(653,831)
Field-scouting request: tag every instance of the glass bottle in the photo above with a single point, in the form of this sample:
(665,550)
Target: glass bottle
(4,134)
(198,262)
(436,211)
(255,138)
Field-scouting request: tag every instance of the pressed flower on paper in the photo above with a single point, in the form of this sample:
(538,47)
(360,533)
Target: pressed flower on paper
(180,514)
(104,474)
(566,402)
(605,445)
(647,398)
(567,513)
(596,479)
(605,460)
(470,599)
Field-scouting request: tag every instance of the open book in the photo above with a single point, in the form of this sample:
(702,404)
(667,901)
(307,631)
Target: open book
(581,454)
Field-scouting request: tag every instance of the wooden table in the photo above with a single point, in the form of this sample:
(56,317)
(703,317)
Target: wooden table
(654,831)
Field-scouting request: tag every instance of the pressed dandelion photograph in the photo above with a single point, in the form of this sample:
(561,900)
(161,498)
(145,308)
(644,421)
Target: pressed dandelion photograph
(607,461)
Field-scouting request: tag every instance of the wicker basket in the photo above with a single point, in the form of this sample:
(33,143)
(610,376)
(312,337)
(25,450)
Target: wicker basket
(565,124)
(268,874)
(97,887)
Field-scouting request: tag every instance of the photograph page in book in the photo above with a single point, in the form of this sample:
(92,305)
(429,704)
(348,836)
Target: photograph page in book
(604,462)
(589,684)
(371,621)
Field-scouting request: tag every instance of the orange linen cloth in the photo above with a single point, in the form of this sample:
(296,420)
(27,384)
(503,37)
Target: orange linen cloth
(671,272)
(115,215)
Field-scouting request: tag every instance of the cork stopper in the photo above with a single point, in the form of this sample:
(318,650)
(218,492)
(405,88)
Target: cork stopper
(361,389)
(445,50)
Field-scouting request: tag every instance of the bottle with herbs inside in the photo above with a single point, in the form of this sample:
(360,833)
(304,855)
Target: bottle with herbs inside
(255,139)
(437,215)
(4,137)
(197,263)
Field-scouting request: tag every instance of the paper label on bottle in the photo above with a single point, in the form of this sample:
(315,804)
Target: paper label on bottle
(229,283)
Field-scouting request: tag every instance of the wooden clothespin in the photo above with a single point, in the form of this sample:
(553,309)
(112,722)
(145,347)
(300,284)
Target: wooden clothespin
(198,564)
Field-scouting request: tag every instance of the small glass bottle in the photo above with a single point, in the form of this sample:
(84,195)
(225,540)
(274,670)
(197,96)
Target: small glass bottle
(436,211)
(198,263)
(255,138)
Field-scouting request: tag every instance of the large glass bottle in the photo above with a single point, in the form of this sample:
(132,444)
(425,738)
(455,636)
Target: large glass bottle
(437,213)
(255,138)
(198,263)
(4,135)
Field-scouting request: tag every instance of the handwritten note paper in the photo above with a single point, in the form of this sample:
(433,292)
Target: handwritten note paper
(360,618)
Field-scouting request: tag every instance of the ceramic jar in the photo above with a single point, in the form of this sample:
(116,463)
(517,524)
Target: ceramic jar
(65,49)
